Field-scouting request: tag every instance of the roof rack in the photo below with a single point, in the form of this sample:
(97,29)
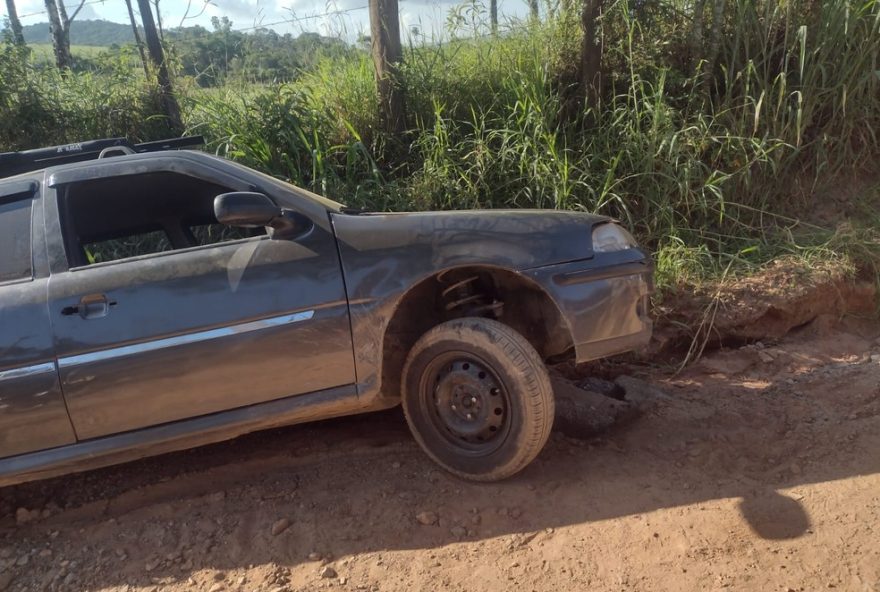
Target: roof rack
(15,163)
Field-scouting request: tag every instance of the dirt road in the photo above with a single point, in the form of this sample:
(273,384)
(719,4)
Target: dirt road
(761,471)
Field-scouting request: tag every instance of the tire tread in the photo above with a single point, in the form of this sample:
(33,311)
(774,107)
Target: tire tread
(523,360)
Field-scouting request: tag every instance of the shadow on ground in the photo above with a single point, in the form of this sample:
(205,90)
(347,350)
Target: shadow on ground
(356,485)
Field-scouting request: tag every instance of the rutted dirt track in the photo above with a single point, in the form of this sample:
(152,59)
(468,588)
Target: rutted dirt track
(760,471)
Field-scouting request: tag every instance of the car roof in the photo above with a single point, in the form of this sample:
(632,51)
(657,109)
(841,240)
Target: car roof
(38,159)
(134,159)
(125,164)
(59,171)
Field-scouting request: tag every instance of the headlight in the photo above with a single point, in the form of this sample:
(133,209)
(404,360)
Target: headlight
(611,237)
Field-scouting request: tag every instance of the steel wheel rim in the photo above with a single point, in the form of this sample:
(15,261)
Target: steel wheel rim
(467,402)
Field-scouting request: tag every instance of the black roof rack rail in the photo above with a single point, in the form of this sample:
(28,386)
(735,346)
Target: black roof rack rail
(15,163)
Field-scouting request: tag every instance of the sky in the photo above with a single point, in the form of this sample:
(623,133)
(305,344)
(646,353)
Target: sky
(344,18)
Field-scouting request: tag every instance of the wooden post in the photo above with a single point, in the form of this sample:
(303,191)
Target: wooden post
(387,55)
(157,55)
(493,16)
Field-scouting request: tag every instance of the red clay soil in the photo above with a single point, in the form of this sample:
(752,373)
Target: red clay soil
(758,470)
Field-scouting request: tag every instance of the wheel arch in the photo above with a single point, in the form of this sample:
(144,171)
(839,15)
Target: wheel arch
(527,308)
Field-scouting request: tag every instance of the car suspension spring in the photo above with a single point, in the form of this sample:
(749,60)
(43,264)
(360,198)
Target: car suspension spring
(459,295)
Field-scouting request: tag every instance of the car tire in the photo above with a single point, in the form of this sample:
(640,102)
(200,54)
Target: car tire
(478,398)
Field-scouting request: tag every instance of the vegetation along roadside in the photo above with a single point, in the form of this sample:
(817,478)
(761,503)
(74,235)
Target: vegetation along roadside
(725,134)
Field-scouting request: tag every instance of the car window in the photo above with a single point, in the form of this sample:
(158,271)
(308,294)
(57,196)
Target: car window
(132,245)
(15,239)
(116,218)
(211,234)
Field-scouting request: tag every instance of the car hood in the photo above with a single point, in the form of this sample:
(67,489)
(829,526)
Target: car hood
(515,239)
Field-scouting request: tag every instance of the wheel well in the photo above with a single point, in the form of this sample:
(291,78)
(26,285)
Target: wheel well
(482,291)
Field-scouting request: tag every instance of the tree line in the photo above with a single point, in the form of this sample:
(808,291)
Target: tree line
(211,55)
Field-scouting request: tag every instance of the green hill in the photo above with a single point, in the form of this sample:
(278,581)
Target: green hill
(99,33)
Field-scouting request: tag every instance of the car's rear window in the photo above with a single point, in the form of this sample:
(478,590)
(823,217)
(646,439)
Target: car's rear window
(15,238)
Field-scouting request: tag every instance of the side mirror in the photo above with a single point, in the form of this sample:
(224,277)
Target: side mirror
(252,210)
(245,208)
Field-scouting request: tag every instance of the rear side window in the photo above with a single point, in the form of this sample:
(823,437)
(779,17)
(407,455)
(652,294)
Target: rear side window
(15,238)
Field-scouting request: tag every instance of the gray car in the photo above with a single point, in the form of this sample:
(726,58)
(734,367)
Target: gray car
(155,300)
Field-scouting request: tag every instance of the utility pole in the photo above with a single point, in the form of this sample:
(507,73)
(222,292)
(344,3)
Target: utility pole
(14,23)
(387,55)
(493,16)
(157,56)
(137,38)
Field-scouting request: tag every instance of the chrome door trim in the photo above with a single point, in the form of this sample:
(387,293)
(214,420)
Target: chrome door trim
(25,371)
(147,346)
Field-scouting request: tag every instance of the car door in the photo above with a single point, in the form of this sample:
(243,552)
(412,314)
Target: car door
(32,412)
(183,331)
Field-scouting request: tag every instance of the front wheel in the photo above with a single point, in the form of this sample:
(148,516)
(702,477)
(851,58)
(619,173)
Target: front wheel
(477,398)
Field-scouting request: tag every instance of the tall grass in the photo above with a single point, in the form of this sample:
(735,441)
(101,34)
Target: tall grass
(40,107)
(715,166)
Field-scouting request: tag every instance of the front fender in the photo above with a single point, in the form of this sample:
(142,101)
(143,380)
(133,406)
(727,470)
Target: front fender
(384,256)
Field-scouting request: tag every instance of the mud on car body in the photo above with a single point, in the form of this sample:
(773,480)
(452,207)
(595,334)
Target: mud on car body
(154,299)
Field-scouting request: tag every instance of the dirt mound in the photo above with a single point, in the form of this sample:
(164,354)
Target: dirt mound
(591,406)
(764,306)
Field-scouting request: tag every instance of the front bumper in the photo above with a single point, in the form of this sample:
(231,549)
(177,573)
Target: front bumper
(603,300)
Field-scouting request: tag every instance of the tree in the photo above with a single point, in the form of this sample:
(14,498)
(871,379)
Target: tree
(590,68)
(533,9)
(157,56)
(697,30)
(59,26)
(159,20)
(387,55)
(62,52)
(14,23)
(137,38)
(714,41)
(707,57)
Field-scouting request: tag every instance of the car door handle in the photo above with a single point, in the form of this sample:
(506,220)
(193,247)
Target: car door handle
(92,306)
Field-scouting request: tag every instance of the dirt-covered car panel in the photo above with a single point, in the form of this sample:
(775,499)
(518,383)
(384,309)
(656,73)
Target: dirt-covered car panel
(391,260)
(604,300)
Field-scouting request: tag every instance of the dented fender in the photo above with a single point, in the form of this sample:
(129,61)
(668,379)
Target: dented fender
(383,256)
